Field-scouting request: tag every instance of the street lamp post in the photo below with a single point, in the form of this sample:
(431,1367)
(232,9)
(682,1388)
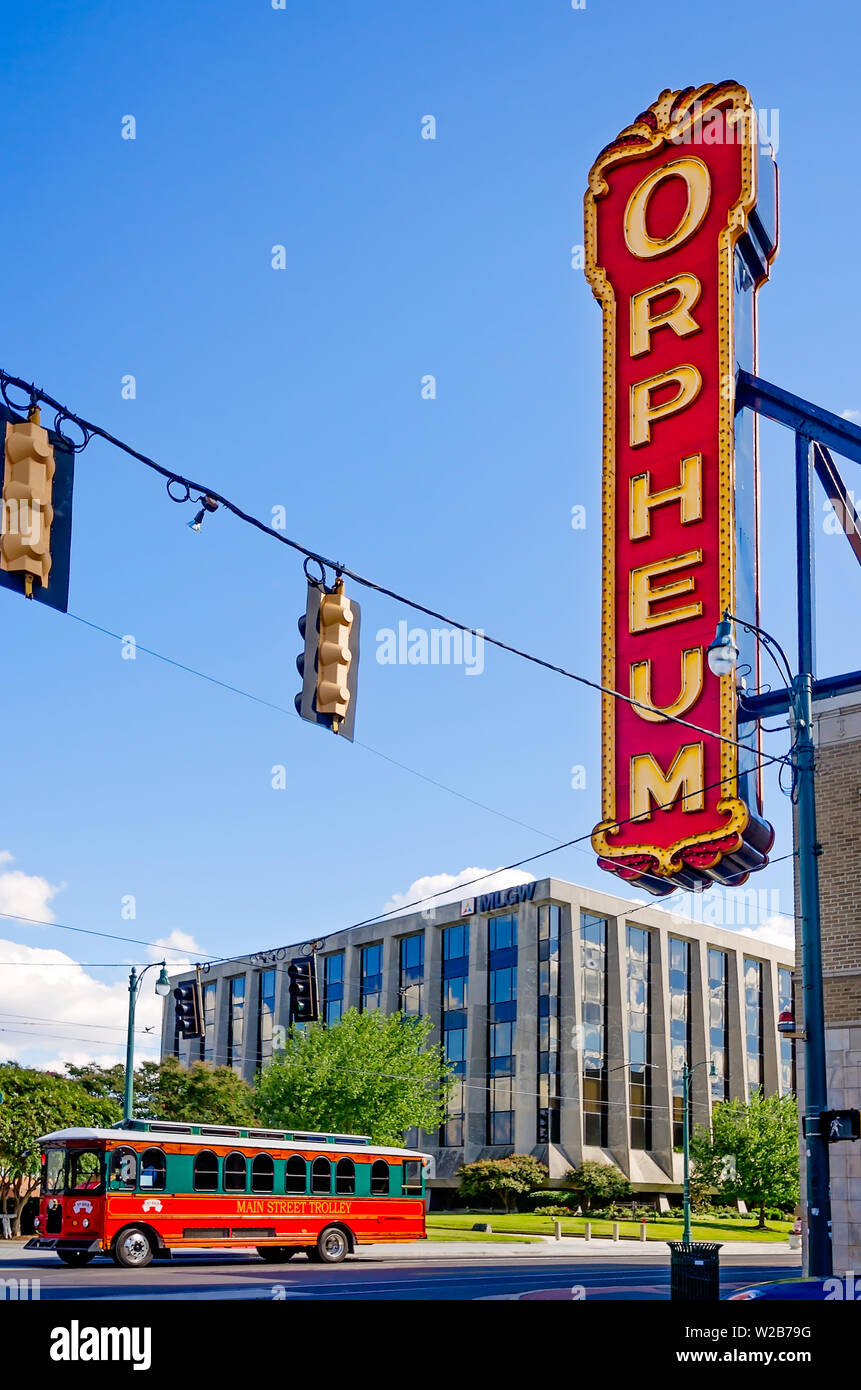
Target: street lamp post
(722,659)
(687,1073)
(162,988)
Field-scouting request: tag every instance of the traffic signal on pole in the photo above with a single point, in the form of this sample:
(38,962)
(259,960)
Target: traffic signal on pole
(329,663)
(302,974)
(189,1013)
(28,484)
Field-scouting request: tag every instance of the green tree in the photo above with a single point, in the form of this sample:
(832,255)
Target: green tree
(168,1091)
(751,1151)
(36,1103)
(507,1178)
(370,1073)
(598,1183)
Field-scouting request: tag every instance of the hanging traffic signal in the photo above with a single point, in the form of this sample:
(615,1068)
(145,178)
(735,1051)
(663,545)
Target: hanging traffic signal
(28,481)
(36,510)
(302,974)
(329,664)
(189,1014)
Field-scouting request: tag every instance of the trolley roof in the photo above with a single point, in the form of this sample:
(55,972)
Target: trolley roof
(224,1135)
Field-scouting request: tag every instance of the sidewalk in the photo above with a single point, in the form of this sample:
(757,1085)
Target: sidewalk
(568,1248)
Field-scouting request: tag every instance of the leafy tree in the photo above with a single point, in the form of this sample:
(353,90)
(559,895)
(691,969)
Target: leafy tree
(507,1178)
(760,1137)
(598,1183)
(35,1103)
(370,1073)
(167,1091)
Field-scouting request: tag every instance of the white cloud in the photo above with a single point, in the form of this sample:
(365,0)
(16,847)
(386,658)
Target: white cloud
(49,1004)
(777,931)
(852,415)
(168,947)
(421,893)
(25,895)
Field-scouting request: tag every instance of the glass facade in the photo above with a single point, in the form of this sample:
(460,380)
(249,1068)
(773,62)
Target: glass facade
(753,1024)
(265,1017)
(207,1042)
(719,1023)
(501,1020)
(371,980)
(680,1030)
(412,969)
(333,987)
(787,1045)
(549,1056)
(455,1002)
(236,1021)
(639,1045)
(593,1004)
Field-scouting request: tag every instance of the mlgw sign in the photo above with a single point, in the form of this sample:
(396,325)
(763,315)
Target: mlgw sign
(676,248)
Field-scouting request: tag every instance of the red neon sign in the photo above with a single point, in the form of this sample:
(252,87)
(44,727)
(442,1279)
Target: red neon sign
(676,248)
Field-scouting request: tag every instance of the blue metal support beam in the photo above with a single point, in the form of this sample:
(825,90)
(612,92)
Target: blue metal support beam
(799,415)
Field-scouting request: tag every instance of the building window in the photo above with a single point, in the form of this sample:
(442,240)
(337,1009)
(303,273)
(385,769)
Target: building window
(639,1041)
(455,1001)
(785,1004)
(412,969)
(753,1024)
(333,987)
(207,1042)
(593,1006)
(549,1057)
(236,1022)
(501,1020)
(680,1031)
(719,1023)
(371,995)
(266,1017)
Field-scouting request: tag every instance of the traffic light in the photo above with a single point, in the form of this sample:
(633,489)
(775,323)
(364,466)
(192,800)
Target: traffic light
(28,483)
(302,974)
(329,664)
(189,1014)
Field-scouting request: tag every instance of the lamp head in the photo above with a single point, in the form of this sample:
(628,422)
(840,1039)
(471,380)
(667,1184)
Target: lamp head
(723,652)
(162,984)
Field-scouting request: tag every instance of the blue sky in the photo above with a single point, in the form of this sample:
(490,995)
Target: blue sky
(302,388)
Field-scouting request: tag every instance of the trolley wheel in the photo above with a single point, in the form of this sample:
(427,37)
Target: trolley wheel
(331,1248)
(276,1254)
(133,1248)
(76,1258)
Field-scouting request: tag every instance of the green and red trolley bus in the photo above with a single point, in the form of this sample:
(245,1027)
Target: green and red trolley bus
(142,1190)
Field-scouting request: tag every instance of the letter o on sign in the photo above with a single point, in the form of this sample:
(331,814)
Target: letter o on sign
(696,177)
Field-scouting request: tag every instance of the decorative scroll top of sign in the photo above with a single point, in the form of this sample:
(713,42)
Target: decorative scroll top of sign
(680,231)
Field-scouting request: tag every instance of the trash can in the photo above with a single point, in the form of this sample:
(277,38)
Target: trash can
(694,1271)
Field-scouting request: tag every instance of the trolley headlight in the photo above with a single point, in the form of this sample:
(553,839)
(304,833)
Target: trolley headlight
(85,1222)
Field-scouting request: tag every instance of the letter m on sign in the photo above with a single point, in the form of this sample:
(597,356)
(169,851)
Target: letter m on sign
(679,237)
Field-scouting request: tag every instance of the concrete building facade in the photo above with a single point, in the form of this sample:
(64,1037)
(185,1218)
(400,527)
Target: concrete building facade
(837,727)
(567,1014)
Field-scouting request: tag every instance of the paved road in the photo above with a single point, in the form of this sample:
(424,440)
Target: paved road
(628,1275)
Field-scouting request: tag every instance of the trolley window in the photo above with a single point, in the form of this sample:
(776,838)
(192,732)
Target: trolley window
(124,1170)
(345,1177)
(296,1175)
(412,1179)
(235,1173)
(321,1175)
(153,1170)
(380,1179)
(85,1170)
(55,1169)
(262,1173)
(205,1171)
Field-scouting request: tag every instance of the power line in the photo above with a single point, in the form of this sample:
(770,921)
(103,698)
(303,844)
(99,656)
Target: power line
(91,430)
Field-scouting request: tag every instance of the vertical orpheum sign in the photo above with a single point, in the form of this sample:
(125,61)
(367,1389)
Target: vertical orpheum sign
(676,247)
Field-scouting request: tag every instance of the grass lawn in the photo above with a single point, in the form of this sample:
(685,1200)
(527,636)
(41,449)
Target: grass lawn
(443,1225)
(456,1233)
